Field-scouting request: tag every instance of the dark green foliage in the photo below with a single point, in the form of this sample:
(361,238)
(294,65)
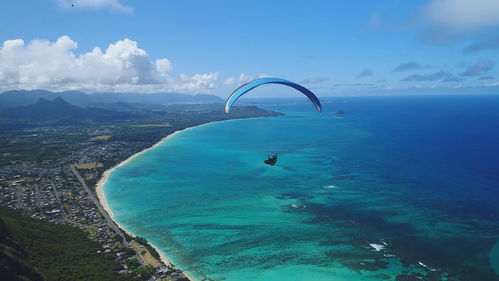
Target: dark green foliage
(133,262)
(138,134)
(151,249)
(58,252)
(13,263)
(128,251)
(144,273)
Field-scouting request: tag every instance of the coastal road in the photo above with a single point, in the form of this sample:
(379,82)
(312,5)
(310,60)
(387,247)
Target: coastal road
(106,216)
(38,198)
(58,198)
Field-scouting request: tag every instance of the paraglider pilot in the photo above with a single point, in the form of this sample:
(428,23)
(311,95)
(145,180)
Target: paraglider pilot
(271,160)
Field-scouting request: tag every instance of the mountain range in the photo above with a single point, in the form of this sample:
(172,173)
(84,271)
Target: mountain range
(23,98)
(59,109)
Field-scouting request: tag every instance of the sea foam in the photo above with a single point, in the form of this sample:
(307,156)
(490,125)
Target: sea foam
(377,247)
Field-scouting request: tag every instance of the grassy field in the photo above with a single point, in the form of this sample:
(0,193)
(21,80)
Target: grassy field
(100,138)
(19,181)
(152,125)
(87,166)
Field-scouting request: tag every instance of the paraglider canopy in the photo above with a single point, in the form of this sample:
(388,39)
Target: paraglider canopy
(257,82)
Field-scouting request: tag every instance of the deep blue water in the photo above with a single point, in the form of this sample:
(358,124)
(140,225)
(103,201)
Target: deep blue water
(415,177)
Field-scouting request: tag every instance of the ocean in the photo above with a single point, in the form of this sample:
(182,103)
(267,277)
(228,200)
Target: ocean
(397,188)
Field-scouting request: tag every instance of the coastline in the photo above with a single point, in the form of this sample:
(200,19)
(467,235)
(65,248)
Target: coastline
(99,188)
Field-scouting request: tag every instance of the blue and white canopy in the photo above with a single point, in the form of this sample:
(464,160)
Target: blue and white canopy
(243,89)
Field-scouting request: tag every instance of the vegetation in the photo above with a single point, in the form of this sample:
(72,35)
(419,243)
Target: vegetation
(144,272)
(88,166)
(151,249)
(57,252)
(100,138)
(13,263)
(39,145)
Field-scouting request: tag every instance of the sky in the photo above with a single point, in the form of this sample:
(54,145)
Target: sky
(335,48)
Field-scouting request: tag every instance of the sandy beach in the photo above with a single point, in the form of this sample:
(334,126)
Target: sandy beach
(99,189)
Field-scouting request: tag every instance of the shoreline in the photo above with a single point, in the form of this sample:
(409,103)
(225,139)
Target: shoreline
(99,188)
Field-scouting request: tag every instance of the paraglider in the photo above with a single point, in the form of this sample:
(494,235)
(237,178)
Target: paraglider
(243,89)
(271,160)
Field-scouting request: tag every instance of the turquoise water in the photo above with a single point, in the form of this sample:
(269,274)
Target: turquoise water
(401,188)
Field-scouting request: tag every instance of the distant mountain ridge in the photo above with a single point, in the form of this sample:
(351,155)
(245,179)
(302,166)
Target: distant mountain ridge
(59,109)
(18,98)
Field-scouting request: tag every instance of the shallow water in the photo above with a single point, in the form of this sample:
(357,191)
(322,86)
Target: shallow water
(417,177)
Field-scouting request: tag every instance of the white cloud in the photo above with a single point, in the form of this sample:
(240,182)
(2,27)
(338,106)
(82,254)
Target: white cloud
(462,15)
(163,65)
(197,81)
(122,67)
(95,4)
(244,78)
(230,81)
(494,84)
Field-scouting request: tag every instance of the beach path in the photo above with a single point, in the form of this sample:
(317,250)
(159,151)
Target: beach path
(91,195)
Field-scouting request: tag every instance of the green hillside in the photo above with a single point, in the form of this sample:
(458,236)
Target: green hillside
(57,252)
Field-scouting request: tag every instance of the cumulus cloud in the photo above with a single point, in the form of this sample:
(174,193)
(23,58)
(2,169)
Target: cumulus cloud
(407,66)
(426,77)
(197,81)
(122,67)
(365,73)
(315,80)
(115,5)
(163,65)
(462,15)
(481,67)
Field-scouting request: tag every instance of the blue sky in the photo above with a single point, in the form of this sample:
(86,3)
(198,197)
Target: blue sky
(333,47)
